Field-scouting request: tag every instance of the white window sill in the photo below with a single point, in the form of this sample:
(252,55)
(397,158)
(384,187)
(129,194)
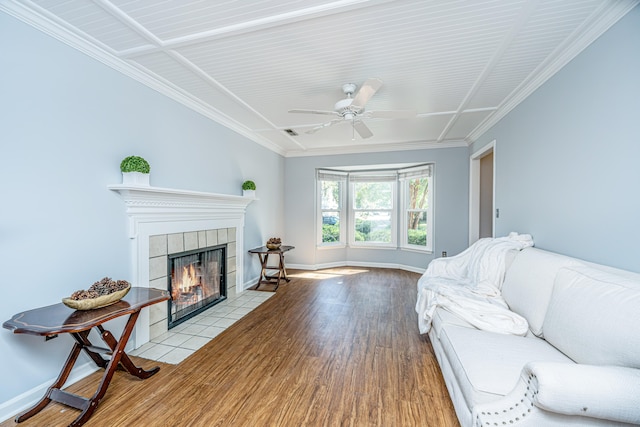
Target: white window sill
(418,250)
(387,247)
(344,246)
(332,246)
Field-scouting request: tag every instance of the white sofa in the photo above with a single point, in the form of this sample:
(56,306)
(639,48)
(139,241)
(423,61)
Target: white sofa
(578,365)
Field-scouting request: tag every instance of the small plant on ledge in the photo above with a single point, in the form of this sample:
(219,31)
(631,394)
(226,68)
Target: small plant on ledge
(135,171)
(249,189)
(134,164)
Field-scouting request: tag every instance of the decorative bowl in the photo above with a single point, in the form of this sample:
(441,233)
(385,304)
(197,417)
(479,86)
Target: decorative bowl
(273,246)
(101,301)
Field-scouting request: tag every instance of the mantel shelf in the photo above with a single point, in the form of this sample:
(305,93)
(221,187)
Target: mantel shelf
(155,196)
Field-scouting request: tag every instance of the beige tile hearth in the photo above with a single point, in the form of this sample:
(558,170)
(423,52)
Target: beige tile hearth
(182,341)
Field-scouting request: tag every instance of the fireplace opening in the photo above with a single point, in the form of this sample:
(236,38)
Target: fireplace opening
(196,282)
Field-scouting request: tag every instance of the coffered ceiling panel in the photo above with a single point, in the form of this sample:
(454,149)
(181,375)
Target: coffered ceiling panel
(197,86)
(439,73)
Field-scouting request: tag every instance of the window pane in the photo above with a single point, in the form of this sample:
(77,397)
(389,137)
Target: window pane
(330,226)
(373,227)
(418,191)
(373,195)
(330,195)
(417,228)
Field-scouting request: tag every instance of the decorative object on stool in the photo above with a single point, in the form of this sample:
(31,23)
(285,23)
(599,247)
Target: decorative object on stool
(249,189)
(274,243)
(135,171)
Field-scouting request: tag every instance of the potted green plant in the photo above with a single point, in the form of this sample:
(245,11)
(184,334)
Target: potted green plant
(249,189)
(135,171)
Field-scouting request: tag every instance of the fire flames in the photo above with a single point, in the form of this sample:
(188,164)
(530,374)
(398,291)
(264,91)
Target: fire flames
(186,286)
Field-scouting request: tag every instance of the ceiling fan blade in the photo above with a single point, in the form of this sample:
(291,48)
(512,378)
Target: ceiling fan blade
(362,129)
(330,113)
(314,130)
(368,89)
(391,114)
(324,125)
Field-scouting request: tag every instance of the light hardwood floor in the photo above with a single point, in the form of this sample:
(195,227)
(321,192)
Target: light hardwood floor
(336,347)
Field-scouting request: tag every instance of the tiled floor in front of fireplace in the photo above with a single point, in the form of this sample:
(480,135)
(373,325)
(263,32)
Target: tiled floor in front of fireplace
(183,340)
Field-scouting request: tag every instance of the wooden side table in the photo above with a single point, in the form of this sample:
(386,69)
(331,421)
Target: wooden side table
(271,275)
(58,319)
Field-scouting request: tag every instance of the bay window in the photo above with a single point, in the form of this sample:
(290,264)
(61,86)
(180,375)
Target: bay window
(385,208)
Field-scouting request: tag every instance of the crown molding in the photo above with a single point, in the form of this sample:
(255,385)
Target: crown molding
(611,13)
(110,59)
(373,148)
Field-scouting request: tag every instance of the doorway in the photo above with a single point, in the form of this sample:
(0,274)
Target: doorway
(482,193)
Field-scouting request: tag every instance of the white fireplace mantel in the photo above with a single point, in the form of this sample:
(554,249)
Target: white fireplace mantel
(155,204)
(155,211)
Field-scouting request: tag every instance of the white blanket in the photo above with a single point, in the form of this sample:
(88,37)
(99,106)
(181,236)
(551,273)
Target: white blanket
(469,285)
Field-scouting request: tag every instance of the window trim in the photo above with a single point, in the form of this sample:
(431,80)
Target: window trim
(404,178)
(379,176)
(341,178)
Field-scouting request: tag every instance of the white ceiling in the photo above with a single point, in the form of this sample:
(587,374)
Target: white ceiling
(461,65)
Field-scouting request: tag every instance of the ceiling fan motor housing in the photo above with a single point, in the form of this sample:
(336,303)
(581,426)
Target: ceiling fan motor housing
(343,107)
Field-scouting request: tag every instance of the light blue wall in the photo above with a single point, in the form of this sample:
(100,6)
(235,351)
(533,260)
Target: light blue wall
(568,157)
(66,121)
(451,207)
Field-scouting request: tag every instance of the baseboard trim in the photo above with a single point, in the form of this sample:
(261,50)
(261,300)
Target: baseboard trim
(24,401)
(314,267)
(249,283)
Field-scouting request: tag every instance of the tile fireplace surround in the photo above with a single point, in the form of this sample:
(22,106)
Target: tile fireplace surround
(163,221)
(163,245)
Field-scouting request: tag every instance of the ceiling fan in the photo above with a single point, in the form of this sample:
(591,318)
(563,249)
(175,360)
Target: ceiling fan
(351,109)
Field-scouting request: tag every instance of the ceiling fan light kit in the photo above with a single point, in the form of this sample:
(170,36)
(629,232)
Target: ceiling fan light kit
(351,109)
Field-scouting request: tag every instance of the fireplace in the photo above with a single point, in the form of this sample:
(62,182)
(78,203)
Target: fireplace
(163,222)
(196,281)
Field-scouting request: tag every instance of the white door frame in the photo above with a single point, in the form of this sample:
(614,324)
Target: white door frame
(474,191)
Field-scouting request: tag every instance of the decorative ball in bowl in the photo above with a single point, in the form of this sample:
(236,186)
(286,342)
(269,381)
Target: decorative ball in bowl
(273,243)
(101,294)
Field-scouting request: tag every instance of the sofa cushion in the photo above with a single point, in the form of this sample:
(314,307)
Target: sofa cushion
(487,365)
(443,317)
(529,282)
(594,316)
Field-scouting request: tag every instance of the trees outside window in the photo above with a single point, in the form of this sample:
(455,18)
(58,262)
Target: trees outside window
(417,213)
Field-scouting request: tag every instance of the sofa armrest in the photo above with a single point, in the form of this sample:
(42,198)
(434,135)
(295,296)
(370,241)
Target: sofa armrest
(606,392)
(550,391)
